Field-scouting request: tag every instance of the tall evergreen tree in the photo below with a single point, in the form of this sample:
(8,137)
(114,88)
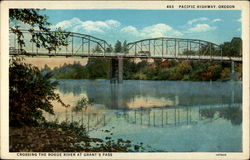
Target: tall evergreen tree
(125,47)
(109,49)
(118,47)
(97,49)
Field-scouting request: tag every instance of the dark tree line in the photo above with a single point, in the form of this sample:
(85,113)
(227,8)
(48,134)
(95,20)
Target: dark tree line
(232,48)
(143,70)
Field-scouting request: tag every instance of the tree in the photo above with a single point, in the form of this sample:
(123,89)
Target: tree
(118,47)
(31,91)
(184,67)
(81,104)
(97,49)
(97,68)
(189,52)
(38,26)
(236,44)
(109,49)
(226,49)
(232,48)
(125,47)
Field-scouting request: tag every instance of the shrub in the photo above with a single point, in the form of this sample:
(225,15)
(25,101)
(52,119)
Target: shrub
(31,93)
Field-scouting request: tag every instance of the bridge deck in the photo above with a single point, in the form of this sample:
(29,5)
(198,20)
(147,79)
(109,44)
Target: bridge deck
(122,55)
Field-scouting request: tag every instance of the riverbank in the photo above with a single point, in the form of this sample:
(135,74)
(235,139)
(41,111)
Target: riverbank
(158,70)
(53,137)
(40,139)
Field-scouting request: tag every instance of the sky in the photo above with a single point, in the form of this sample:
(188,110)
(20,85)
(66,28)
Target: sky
(216,26)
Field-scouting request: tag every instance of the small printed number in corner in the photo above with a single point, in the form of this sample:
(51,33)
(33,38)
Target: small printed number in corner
(221,154)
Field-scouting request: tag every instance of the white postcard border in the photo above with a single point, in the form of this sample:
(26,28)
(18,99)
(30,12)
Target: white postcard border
(239,5)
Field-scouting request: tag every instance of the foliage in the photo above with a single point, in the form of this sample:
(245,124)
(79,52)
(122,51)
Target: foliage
(140,76)
(95,69)
(189,52)
(207,113)
(184,67)
(208,49)
(66,137)
(68,71)
(94,144)
(125,47)
(239,71)
(225,74)
(129,68)
(118,47)
(38,26)
(97,49)
(118,145)
(234,114)
(31,92)
(72,126)
(82,103)
(158,70)
(30,17)
(232,48)
(109,49)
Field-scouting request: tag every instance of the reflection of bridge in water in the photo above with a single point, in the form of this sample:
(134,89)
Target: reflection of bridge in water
(82,45)
(175,116)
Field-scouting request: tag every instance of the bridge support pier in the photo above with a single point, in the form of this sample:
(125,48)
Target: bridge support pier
(116,70)
(232,67)
(233,76)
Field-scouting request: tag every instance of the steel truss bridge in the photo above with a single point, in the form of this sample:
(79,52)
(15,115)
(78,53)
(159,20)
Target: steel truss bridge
(82,45)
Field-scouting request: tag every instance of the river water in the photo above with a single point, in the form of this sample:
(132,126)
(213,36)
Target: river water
(168,116)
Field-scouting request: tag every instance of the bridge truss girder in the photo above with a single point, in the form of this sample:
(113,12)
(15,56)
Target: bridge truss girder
(78,45)
(164,46)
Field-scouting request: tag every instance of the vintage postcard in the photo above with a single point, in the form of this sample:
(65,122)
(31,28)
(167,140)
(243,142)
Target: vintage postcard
(125,80)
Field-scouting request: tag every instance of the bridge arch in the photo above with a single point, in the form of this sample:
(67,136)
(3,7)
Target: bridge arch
(165,46)
(78,44)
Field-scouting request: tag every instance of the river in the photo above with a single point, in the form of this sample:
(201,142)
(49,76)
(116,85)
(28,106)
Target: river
(166,116)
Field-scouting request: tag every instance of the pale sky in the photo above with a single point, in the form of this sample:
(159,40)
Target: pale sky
(216,26)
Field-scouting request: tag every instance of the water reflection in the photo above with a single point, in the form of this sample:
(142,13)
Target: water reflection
(154,117)
(178,100)
(194,114)
(231,113)
(136,94)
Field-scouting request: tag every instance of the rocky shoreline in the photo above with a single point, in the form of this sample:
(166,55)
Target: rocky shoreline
(40,139)
(63,138)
